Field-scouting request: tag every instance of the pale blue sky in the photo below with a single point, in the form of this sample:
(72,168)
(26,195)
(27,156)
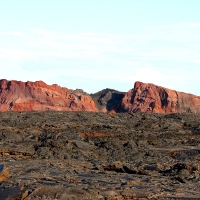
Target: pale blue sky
(97,44)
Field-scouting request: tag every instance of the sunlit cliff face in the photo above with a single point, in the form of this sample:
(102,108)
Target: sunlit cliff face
(147,98)
(150,98)
(21,96)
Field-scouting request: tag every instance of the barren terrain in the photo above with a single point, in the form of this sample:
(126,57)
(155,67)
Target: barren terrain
(90,155)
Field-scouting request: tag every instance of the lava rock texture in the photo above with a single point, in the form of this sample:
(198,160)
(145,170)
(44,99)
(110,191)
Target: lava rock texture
(91,155)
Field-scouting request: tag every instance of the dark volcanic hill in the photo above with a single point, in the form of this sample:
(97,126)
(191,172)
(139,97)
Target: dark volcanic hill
(107,99)
(147,98)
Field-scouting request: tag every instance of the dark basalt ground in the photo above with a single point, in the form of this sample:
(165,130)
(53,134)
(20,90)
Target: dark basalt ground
(81,155)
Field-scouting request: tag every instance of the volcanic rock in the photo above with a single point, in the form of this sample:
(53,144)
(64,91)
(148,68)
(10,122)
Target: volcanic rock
(150,98)
(4,173)
(107,99)
(29,96)
(147,98)
(95,155)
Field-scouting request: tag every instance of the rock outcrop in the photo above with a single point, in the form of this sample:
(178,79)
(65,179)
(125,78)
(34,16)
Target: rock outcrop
(28,96)
(107,99)
(150,98)
(147,98)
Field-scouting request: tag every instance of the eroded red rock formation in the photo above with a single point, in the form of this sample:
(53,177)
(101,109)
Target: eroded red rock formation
(28,96)
(150,98)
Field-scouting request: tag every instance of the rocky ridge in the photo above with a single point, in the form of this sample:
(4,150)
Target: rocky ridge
(147,98)
(28,96)
(150,98)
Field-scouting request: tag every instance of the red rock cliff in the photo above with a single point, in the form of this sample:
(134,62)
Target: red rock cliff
(150,98)
(26,96)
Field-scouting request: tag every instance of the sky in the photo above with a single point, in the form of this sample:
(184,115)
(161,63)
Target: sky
(98,44)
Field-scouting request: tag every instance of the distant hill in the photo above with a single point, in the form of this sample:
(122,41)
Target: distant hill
(148,98)
(107,99)
(28,96)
